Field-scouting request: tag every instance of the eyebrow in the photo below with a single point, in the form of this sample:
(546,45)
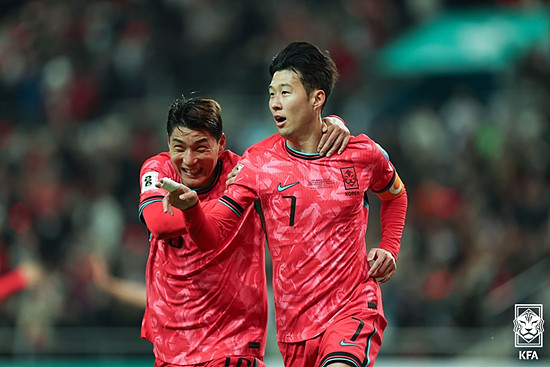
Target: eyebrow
(280,85)
(202,140)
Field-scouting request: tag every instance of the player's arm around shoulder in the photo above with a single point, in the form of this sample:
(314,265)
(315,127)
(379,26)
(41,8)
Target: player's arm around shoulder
(335,136)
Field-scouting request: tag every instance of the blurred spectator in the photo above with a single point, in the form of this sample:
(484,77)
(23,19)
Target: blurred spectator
(125,290)
(26,275)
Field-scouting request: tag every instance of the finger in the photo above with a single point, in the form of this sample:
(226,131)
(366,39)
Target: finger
(230,179)
(325,127)
(185,196)
(343,145)
(335,145)
(374,268)
(159,183)
(372,255)
(381,266)
(387,277)
(328,143)
(166,207)
(322,143)
(233,174)
(383,269)
(388,268)
(165,203)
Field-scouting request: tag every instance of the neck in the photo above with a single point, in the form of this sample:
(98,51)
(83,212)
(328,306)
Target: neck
(308,141)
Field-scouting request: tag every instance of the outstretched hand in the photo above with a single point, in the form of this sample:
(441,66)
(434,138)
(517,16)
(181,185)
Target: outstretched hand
(181,197)
(383,266)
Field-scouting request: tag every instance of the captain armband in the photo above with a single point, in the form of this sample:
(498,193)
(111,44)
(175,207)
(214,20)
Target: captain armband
(394,190)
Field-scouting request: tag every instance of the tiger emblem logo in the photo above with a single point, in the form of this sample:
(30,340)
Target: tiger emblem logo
(529,327)
(350,178)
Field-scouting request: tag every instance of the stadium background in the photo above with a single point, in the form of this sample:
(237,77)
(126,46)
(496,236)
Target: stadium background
(456,91)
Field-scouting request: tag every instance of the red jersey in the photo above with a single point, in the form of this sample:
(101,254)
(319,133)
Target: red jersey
(315,213)
(201,305)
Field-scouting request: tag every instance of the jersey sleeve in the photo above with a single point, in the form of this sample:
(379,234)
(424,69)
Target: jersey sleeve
(387,183)
(392,222)
(151,213)
(391,191)
(211,224)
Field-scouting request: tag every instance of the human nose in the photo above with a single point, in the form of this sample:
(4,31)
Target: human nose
(275,103)
(189,157)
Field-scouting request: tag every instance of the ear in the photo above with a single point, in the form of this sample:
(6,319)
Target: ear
(168,141)
(221,142)
(319,98)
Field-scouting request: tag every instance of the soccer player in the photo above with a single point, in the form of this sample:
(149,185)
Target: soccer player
(204,308)
(328,301)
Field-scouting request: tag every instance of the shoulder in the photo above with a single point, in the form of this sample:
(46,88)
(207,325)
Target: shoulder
(265,145)
(268,142)
(362,142)
(361,139)
(160,164)
(228,160)
(228,157)
(156,160)
(259,154)
(155,168)
(363,148)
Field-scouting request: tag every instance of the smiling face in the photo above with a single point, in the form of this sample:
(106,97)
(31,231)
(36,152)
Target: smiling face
(296,112)
(194,154)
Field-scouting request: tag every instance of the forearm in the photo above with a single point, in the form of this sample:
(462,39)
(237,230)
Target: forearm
(392,217)
(204,234)
(163,225)
(210,230)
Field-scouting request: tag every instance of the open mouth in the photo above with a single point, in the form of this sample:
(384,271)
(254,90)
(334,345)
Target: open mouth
(280,120)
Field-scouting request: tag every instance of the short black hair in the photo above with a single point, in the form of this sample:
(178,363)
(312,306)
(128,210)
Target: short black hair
(314,67)
(196,114)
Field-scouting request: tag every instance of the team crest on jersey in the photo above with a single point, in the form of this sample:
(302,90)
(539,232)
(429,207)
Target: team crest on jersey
(350,178)
(148,181)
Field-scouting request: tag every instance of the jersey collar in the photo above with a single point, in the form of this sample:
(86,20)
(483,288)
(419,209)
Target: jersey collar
(212,183)
(301,155)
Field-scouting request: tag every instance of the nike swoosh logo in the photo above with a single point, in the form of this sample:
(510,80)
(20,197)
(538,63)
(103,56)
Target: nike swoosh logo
(396,191)
(283,188)
(344,343)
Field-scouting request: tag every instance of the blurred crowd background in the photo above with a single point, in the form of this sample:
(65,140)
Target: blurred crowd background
(85,88)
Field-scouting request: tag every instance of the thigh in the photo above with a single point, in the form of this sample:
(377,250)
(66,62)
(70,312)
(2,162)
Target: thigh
(354,340)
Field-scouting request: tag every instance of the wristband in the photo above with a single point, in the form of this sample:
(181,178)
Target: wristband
(169,184)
